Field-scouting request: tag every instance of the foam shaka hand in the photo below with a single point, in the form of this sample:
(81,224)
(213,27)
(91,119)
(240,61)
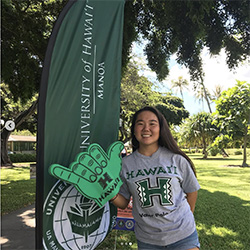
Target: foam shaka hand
(95,173)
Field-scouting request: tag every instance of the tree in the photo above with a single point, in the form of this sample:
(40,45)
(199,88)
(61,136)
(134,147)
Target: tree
(173,109)
(216,93)
(232,114)
(206,96)
(26,27)
(203,130)
(181,27)
(187,137)
(21,114)
(11,109)
(202,93)
(180,84)
(185,27)
(219,143)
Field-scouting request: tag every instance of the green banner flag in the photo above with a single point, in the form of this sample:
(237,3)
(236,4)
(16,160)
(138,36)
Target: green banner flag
(79,104)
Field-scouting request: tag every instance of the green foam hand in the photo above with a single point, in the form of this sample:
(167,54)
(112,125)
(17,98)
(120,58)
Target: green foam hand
(95,174)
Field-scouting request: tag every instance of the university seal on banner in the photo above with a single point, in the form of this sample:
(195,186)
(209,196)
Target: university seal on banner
(75,221)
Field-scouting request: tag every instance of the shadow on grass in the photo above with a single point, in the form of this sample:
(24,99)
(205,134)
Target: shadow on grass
(222,221)
(17,194)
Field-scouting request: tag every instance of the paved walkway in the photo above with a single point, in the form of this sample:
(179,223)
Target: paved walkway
(18,229)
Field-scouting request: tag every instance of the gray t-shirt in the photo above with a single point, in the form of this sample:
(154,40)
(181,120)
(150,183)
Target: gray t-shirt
(158,185)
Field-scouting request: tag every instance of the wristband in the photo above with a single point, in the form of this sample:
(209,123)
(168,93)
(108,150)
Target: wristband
(114,198)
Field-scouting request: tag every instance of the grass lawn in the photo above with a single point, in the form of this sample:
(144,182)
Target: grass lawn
(222,211)
(17,189)
(223,206)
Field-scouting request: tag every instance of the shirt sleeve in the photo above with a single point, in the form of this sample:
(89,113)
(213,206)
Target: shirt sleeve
(190,183)
(124,190)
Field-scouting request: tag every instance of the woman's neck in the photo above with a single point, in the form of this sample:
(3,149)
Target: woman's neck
(148,151)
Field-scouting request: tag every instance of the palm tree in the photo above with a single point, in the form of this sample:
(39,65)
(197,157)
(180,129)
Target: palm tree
(217,92)
(199,95)
(203,129)
(202,93)
(180,84)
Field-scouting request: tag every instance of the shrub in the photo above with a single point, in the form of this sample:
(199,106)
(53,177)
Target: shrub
(22,158)
(213,151)
(238,152)
(186,151)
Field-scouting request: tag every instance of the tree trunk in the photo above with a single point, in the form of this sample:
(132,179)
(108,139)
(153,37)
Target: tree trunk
(5,134)
(224,153)
(244,164)
(205,153)
(5,159)
(206,97)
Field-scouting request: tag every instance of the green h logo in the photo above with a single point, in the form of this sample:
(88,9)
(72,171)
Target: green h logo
(103,181)
(162,190)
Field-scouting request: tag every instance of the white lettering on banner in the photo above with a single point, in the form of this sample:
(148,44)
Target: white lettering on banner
(48,234)
(88,26)
(85,106)
(53,199)
(87,66)
(93,77)
(101,75)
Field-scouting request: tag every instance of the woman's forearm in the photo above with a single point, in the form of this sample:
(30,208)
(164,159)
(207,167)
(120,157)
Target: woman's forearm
(191,199)
(119,201)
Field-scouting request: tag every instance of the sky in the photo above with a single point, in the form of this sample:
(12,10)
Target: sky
(216,73)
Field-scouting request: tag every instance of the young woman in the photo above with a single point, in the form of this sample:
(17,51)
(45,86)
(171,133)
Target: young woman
(162,182)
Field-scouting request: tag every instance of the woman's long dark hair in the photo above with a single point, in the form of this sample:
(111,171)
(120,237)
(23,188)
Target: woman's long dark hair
(166,138)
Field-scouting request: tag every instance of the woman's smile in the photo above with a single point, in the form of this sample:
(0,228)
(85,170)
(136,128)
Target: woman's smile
(147,131)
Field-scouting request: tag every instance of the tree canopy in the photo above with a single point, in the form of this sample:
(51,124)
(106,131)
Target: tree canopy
(172,108)
(185,27)
(12,109)
(26,26)
(199,130)
(181,27)
(232,113)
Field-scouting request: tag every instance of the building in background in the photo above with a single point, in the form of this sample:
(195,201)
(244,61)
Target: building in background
(22,144)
